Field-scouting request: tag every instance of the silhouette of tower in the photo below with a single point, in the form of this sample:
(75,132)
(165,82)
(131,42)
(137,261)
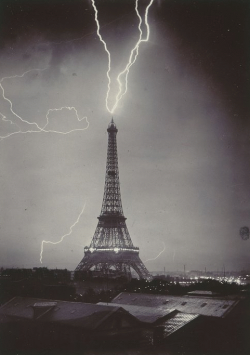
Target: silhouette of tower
(111,247)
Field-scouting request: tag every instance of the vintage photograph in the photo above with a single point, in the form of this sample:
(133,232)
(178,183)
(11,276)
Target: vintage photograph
(125,177)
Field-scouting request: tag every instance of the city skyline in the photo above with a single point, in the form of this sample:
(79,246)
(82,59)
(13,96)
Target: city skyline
(183,143)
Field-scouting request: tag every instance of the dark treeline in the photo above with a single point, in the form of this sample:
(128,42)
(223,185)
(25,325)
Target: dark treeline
(59,284)
(37,282)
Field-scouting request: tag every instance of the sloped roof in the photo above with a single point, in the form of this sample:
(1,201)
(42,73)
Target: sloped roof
(178,321)
(194,305)
(174,320)
(85,315)
(144,314)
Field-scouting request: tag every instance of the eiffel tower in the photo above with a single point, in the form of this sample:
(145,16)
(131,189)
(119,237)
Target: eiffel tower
(111,247)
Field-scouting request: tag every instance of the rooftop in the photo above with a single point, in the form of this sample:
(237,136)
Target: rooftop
(202,293)
(86,315)
(170,319)
(178,321)
(145,314)
(194,305)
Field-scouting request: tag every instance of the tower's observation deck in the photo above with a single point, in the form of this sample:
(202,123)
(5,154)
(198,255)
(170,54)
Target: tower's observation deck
(111,245)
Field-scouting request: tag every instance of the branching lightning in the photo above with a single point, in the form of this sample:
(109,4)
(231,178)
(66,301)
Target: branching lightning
(106,49)
(61,239)
(122,80)
(122,77)
(164,248)
(37,129)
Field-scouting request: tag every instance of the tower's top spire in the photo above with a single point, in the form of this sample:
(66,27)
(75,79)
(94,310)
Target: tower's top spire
(112,126)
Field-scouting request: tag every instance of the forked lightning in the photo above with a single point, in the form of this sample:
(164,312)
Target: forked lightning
(122,80)
(122,77)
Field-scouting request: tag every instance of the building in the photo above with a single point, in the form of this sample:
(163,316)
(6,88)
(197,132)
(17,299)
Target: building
(190,323)
(28,324)
(111,250)
(162,323)
(195,305)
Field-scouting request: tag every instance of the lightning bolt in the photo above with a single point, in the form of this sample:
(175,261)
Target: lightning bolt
(123,84)
(70,109)
(61,239)
(164,248)
(10,102)
(122,80)
(38,129)
(174,255)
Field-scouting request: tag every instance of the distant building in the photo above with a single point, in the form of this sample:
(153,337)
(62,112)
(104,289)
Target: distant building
(28,324)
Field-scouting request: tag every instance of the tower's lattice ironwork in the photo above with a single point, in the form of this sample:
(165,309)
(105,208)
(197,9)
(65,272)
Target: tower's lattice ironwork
(111,247)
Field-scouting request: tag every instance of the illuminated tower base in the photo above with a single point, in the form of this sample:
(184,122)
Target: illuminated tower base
(111,249)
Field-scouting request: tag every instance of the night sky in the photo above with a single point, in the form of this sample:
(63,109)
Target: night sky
(183,130)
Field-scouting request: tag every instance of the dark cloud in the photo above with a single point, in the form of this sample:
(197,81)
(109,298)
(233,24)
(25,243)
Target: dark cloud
(213,36)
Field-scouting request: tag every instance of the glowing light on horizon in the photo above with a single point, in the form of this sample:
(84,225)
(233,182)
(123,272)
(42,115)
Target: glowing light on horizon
(115,249)
(65,235)
(164,248)
(123,84)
